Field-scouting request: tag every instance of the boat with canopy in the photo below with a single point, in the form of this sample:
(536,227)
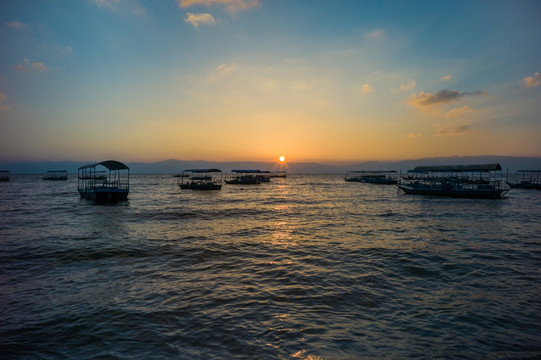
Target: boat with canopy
(525,179)
(109,185)
(200,179)
(466,181)
(56,175)
(244,177)
(380,177)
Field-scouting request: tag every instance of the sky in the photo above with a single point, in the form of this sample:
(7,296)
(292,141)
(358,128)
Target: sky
(251,80)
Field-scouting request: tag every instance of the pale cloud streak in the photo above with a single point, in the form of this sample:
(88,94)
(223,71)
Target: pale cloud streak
(196,19)
(533,81)
(375,34)
(226,69)
(129,6)
(446,78)
(30,67)
(16,25)
(232,6)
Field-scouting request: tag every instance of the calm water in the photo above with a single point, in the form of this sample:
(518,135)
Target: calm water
(308,267)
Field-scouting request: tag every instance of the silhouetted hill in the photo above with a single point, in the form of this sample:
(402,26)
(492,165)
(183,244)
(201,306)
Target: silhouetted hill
(171,166)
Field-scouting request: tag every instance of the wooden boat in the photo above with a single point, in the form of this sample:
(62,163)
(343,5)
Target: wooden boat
(373,177)
(201,179)
(465,181)
(113,187)
(56,175)
(4,175)
(526,179)
(244,177)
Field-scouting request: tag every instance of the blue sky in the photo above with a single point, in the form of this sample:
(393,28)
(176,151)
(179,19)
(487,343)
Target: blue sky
(138,80)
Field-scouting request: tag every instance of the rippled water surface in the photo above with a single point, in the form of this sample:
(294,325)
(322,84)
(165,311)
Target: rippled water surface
(307,267)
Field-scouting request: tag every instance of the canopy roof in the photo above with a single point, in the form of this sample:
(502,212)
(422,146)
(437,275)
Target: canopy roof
(458,168)
(371,172)
(203,170)
(109,164)
(247,171)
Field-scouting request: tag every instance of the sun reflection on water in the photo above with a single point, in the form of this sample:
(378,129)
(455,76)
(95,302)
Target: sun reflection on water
(282,234)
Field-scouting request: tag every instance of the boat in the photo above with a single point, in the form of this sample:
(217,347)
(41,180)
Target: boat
(265,176)
(201,179)
(526,179)
(56,175)
(279,174)
(4,175)
(244,177)
(380,177)
(482,181)
(94,185)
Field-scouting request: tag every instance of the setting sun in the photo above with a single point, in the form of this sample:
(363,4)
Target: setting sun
(282,158)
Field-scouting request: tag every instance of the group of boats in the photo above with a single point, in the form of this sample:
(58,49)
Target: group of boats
(484,181)
(113,185)
(212,179)
(108,181)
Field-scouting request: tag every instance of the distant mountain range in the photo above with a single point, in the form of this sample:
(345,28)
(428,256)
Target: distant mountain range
(511,163)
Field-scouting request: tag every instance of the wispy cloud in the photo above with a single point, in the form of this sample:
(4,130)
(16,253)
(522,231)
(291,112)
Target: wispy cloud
(408,85)
(196,19)
(366,89)
(129,6)
(2,99)
(16,25)
(415,135)
(460,112)
(446,78)
(232,6)
(533,81)
(455,130)
(439,97)
(30,67)
(375,34)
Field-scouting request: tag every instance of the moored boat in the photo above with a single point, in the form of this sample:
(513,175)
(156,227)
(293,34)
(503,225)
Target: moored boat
(279,174)
(4,175)
(380,177)
(200,179)
(244,177)
(264,176)
(56,175)
(525,179)
(113,187)
(483,181)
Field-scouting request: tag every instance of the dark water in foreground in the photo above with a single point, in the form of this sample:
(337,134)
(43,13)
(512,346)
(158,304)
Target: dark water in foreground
(308,267)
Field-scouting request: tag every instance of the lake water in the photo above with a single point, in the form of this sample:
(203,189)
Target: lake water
(306,267)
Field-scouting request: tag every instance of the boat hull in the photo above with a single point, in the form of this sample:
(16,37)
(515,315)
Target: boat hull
(103,195)
(242,182)
(200,186)
(55,178)
(488,193)
(526,185)
(374,181)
